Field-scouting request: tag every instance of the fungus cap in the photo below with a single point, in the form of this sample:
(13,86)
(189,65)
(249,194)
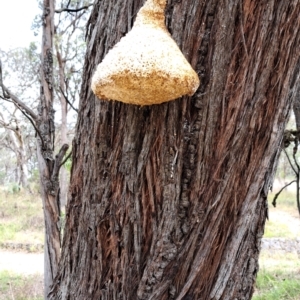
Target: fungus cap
(146,67)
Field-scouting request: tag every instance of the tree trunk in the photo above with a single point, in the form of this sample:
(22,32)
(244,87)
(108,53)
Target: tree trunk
(48,166)
(16,144)
(63,183)
(18,147)
(169,201)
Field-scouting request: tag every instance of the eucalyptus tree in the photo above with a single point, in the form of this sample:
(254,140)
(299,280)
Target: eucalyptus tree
(13,140)
(20,73)
(169,201)
(68,45)
(69,49)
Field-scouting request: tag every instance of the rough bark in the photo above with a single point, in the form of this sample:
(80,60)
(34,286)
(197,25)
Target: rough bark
(169,201)
(63,184)
(48,164)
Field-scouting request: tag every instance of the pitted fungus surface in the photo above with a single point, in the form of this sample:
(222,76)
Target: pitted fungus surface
(146,67)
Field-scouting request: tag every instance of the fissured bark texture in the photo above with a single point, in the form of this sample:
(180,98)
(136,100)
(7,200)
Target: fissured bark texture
(169,201)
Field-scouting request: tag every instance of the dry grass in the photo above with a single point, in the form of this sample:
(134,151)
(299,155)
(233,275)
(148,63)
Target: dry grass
(284,220)
(21,217)
(19,287)
(279,277)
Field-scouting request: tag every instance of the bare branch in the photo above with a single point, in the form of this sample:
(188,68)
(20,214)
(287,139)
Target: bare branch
(7,126)
(58,11)
(66,98)
(296,163)
(22,106)
(8,95)
(276,196)
(68,156)
(26,115)
(58,161)
(72,24)
(292,166)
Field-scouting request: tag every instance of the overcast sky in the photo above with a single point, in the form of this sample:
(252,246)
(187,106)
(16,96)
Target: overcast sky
(16,17)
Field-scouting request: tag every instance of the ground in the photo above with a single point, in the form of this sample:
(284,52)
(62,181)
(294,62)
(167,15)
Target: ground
(22,262)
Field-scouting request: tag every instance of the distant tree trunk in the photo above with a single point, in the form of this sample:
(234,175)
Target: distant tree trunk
(15,142)
(48,164)
(64,128)
(20,151)
(170,201)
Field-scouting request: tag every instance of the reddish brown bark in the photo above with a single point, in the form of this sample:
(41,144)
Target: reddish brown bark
(169,201)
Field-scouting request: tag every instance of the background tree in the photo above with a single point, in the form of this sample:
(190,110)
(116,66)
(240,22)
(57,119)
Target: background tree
(69,51)
(169,201)
(20,63)
(43,117)
(15,141)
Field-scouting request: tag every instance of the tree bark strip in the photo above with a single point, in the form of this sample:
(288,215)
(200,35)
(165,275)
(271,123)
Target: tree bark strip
(45,149)
(170,201)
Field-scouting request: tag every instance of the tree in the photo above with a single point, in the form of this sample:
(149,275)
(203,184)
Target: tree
(15,142)
(169,201)
(20,63)
(69,51)
(43,121)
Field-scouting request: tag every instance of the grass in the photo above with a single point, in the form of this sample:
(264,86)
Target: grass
(21,221)
(284,220)
(278,278)
(19,287)
(21,217)
(285,201)
(279,275)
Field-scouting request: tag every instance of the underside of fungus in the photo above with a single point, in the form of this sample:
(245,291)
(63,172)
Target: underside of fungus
(146,67)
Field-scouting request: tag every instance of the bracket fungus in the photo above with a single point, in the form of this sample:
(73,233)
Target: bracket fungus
(146,66)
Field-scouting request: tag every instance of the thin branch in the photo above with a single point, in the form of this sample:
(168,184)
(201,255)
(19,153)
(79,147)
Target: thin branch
(297,175)
(58,11)
(296,163)
(294,132)
(66,98)
(8,95)
(65,160)
(292,166)
(29,119)
(7,126)
(34,126)
(276,196)
(71,24)
(24,109)
(58,160)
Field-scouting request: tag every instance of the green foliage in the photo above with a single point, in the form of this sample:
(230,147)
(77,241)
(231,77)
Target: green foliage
(14,188)
(19,287)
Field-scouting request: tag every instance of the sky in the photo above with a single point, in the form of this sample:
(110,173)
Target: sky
(16,17)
